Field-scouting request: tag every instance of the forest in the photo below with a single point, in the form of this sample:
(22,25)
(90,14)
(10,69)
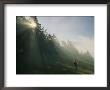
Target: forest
(38,52)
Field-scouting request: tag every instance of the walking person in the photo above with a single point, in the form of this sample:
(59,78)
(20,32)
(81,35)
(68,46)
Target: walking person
(76,65)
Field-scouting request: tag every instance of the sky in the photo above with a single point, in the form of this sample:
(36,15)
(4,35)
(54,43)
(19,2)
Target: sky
(78,29)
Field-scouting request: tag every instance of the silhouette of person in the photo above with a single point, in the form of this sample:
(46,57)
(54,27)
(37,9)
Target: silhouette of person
(76,65)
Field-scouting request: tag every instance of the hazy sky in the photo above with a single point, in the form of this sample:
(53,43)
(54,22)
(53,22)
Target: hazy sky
(78,29)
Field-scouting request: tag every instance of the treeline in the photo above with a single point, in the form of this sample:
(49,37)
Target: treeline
(38,52)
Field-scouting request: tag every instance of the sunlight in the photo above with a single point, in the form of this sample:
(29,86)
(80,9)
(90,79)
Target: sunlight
(30,22)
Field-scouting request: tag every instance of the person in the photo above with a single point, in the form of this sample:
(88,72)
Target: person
(76,65)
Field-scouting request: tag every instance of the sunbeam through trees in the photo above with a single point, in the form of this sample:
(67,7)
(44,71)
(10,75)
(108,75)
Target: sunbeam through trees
(39,52)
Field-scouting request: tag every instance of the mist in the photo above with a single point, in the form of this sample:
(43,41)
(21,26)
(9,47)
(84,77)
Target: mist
(54,45)
(78,29)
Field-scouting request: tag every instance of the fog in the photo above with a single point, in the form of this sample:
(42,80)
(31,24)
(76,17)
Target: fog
(65,48)
(78,29)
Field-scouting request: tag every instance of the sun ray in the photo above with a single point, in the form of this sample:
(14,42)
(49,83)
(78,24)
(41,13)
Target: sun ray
(30,22)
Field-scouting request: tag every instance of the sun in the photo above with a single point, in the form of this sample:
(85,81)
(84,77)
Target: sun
(32,24)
